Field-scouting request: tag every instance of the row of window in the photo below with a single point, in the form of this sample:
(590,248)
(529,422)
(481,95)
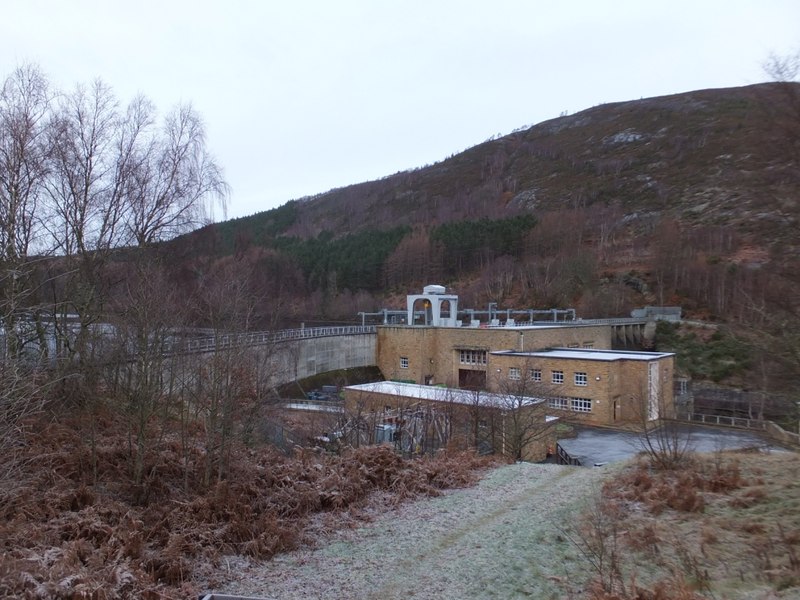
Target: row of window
(467,357)
(574,404)
(583,405)
(579,377)
(478,357)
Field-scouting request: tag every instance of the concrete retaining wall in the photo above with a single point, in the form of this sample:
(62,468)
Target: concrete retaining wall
(320,355)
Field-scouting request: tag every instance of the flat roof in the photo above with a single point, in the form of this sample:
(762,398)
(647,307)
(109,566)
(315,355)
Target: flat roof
(433,393)
(588,354)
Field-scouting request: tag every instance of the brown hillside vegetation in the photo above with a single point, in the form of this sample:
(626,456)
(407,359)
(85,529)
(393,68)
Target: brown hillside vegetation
(726,526)
(714,157)
(689,200)
(63,535)
(686,199)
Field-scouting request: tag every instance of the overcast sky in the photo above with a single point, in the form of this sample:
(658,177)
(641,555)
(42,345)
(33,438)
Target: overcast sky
(301,96)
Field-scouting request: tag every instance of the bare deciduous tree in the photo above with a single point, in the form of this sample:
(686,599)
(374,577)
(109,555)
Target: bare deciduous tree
(142,375)
(24,105)
(175,181)
(171,181)
(525,424)
(22,395)
(93,150)
(226,388)
(666,442)
(598,535)
(81,177)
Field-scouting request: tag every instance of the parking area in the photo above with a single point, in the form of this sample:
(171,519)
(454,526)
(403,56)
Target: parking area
(595,447)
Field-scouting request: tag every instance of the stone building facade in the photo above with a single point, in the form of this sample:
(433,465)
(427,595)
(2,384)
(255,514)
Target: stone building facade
(457,356)
(570,364)
(598,387)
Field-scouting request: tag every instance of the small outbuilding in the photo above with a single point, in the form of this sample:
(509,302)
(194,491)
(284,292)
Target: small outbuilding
(423,418)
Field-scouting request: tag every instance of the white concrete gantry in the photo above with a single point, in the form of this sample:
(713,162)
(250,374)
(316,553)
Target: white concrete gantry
(434,300)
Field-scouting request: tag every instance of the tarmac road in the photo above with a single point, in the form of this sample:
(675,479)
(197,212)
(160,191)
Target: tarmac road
(594,446)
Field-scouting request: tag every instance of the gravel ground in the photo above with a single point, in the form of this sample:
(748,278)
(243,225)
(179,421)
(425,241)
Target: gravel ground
(499,539)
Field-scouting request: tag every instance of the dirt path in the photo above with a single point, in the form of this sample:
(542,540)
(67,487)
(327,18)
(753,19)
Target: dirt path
(500,539)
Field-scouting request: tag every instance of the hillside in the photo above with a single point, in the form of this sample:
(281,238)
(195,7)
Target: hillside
(711,172)
(689,200)
(712,156)
(709,157)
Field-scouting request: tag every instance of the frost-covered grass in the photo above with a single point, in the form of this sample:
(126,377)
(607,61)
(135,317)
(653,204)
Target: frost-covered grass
(725,526)
(500,539)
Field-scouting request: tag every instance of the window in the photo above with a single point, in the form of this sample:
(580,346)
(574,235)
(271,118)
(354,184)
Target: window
(514,373)
(403,362)
(472,357)
(581,379)
(588,344)
(580,404)
(536,374)
(557,377)
(574,404)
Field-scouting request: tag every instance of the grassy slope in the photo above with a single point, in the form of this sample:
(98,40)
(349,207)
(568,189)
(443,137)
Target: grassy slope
(726,526)
(733,534)
(497,540)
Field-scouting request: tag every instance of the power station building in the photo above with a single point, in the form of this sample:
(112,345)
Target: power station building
(569,364)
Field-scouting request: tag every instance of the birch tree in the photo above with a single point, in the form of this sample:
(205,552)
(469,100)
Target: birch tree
(173,184)
(93,153)
(176,183)
(24,106)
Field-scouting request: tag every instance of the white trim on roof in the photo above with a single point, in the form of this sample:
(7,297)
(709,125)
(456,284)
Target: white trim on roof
(588,354)
(431,393)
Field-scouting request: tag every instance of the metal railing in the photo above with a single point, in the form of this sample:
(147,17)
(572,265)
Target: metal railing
(772,430)
(739,422)
(563,457)
(612,321)
(207,344)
